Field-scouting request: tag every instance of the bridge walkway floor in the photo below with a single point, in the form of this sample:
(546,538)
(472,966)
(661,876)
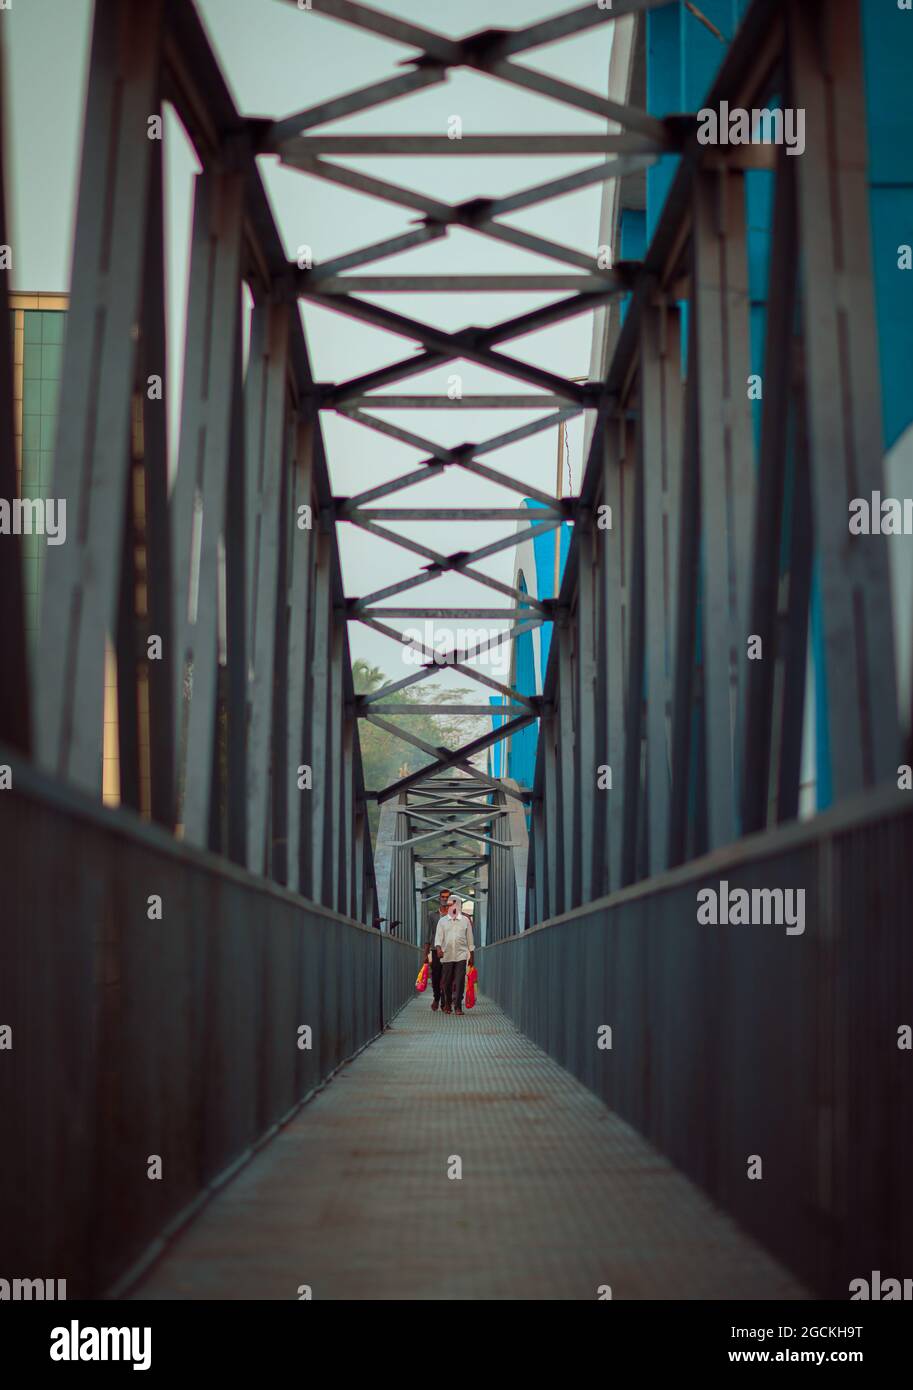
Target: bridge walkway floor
(557,1198)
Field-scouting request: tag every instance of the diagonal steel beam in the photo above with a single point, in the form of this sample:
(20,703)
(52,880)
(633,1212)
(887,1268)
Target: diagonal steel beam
(474,216)
(449,878)
(577,21)
(278,134)
(544,84)
(388,26)
(477,214)
(366,602)
(452,661)
(433,467)
(464,834)
(488,51)
(446,757)
(504,42)
(484,817)
(537,244)
(459,563)
(473,345)
(376,251)
(481,815)
(464,455)
(442,564)
(415,441)
(461,454)
(617,168)
(383,376)
(374,187)
(491,783)
(440,806)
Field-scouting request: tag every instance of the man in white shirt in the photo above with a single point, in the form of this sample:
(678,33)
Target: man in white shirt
(455,946)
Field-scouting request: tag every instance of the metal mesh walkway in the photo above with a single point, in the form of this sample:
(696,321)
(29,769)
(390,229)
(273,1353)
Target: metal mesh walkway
(558,1196)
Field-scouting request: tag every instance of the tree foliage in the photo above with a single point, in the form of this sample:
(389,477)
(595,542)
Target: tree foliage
(386,758)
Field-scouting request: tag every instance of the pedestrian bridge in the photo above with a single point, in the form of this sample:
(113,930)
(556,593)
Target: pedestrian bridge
(688,1074)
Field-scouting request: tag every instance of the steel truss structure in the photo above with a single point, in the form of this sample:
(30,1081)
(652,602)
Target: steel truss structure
(226,613)
(455,833)
(659,739)
(224,599)
(650,683)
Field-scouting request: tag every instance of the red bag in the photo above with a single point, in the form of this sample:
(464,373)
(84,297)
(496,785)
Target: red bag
(471,976)
(421,981)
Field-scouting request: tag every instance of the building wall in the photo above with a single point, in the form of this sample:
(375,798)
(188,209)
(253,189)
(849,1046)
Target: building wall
(39,329)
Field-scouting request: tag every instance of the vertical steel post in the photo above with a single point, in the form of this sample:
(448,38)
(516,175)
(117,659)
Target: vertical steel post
(612,567)
(159,604)
(200,493)
(844,401)
(661,461)
(81,584)
(266,404)
(318,734)
(300,567)
(727,473)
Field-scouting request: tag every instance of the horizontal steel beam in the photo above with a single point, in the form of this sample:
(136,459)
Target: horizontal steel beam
(445,513)
(505,613)
(431,708)
(391,402)
(465,284)
(311,146)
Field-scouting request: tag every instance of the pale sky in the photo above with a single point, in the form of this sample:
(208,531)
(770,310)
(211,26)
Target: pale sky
(278,60)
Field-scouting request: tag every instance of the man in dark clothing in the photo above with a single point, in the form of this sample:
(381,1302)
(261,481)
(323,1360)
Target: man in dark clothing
(435,914)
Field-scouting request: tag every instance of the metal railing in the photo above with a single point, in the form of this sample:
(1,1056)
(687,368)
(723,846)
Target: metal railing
(163,1007)
(724,1044)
